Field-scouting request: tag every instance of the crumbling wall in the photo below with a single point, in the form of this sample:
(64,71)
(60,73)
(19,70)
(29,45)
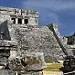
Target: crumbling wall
(26,64)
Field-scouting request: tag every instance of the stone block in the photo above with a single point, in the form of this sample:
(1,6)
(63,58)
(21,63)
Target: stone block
(35,61)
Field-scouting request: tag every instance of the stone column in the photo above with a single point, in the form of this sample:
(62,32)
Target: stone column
(23,21)
(16,20)
(16,73)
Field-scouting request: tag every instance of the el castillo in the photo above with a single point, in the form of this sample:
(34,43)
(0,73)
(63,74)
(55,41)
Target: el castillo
(25,47)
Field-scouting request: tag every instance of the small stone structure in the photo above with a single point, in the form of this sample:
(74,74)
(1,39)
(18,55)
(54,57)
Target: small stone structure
(19,16)
(70,41)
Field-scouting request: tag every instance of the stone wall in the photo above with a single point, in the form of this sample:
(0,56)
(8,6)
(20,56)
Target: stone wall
(7,13)
(15,11)
(38,39)
(31,38)
(23,47)
(27,64)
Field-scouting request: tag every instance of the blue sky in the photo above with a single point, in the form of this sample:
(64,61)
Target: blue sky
(61,12)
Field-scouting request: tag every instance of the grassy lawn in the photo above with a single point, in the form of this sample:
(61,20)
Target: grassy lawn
(53,67)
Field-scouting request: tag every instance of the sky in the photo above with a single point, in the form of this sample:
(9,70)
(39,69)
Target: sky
(61,12)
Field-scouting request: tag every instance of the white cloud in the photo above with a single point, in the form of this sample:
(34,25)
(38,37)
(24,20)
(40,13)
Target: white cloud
(49,9)
(46,15)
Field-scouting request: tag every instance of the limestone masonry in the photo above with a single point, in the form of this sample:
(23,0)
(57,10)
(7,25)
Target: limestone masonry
(19,16)
(23,43)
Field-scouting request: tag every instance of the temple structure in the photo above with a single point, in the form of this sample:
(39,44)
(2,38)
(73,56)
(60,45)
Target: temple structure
(19,16)
(24,45)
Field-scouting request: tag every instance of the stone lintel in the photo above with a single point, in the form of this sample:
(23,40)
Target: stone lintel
(6,43)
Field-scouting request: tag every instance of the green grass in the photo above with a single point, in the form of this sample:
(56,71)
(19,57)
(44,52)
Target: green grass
(53,67)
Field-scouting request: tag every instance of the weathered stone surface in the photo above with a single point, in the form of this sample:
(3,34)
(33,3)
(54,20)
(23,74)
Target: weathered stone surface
(30,37)
(7,72)
(7,13)
(7,43)
(34,61)
(22,42)
(28,61)
(3,62)
(39,39)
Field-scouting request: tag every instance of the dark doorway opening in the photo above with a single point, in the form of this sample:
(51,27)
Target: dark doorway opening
(26,21)
(5,53)
(19,21)
(13,20)
(70,41)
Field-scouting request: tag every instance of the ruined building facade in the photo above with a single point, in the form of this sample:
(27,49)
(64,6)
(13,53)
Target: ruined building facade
(28,35)
(22,41)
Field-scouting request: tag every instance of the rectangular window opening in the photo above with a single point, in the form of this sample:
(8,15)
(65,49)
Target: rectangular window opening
(13,19)
(26,21)
(19,21)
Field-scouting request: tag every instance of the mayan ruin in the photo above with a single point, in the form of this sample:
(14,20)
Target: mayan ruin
(25,47)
